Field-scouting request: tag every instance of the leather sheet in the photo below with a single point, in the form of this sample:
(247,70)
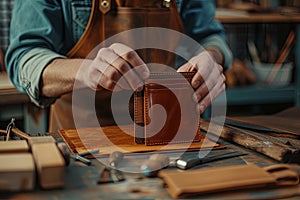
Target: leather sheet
(285,122)
(114,138)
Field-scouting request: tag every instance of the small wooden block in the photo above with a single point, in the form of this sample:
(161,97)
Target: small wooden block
(42,139)
(13,146)
(17,172)
(50,165)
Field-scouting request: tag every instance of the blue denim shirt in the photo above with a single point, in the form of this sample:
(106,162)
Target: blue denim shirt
(43,30)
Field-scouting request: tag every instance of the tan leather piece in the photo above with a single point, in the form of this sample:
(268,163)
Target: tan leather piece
(177,120)
(113,138)
(181,184)
(123,15)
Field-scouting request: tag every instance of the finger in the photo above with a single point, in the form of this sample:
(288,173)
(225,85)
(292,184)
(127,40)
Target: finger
(116,77)
(132,58)
(93,74)
(135,82)
(119,70)
(203,64)
(138,71)
(209,84)
(95,79)
(187,67)
(207,100)
(108,84)
(221,70)
(115,67)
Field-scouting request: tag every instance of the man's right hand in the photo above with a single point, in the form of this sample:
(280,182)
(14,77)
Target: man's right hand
(117,67)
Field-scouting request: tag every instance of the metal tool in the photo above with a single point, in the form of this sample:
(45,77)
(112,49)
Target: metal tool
(189,161)
(9,127)
(156,162)
(115,158)
(81,156)
(109,175)
(82,159)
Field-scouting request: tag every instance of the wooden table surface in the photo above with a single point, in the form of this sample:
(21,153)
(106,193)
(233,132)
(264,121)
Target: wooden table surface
(8,93)
(81,180)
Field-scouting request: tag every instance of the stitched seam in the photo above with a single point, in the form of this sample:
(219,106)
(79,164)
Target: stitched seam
(172,75)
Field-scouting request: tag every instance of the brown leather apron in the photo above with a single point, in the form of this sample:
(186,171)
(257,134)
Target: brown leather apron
(107,18)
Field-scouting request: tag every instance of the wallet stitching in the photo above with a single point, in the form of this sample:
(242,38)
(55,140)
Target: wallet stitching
(136,113)
(172,75)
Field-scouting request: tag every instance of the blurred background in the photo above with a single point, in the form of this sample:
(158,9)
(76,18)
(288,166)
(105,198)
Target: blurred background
(263,36)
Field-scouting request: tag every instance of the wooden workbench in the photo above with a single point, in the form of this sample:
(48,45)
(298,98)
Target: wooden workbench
(81,180)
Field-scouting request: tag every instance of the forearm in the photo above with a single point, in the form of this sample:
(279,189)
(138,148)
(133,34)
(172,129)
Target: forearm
(216,54)
(59,76)
(219,50)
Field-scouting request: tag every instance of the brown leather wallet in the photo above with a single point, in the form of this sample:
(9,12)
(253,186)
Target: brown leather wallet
(165,112)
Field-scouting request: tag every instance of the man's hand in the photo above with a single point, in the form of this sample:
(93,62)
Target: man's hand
(208,82)
(117,67)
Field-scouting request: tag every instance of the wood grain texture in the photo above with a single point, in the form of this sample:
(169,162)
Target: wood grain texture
(114,138)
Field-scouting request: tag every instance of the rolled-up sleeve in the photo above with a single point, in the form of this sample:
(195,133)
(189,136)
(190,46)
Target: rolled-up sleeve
(29,76)
(199,23)
(36,38)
